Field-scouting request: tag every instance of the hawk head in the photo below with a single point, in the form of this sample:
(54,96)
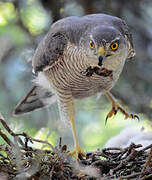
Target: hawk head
(106,46)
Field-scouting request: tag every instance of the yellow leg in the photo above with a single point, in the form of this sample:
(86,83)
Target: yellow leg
(116,106)
(77,150)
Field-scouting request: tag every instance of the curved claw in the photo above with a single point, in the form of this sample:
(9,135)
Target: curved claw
(137,117)
(134,116)
(113,111)
(106,120)
(117,107)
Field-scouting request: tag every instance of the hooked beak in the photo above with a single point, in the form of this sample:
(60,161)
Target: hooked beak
(101,55)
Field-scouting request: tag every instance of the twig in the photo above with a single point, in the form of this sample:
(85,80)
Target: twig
(36,140)
(10,131)
(146,177)
(146,148)
(5,138)
(130,176)
(146,163)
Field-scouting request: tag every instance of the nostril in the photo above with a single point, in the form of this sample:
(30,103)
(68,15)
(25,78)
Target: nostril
(100,58)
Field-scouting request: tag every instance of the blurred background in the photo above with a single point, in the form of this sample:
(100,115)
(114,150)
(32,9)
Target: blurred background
(23,23)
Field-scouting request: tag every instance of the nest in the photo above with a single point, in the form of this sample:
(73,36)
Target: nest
(19,160)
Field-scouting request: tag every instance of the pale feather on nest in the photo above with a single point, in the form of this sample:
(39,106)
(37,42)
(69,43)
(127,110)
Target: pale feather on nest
(128,136)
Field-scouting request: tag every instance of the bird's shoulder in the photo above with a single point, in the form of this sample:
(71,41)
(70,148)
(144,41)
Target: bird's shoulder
(50,49)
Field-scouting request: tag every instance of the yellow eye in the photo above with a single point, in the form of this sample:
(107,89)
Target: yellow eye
(91,44)
(114,46)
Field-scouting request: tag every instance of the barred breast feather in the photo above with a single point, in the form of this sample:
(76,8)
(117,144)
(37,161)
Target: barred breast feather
(65,75)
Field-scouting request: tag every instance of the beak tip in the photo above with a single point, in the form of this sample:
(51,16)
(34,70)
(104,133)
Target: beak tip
(100,58)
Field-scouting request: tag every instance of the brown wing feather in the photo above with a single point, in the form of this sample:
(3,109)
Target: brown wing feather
(36,98)
(49,51)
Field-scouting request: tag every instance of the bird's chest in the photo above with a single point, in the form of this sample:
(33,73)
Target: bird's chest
(89,86)
(69,78)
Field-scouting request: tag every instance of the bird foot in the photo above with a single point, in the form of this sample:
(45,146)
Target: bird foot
(115,108)
(78,152)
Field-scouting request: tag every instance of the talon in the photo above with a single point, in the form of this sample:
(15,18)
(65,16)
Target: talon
(117,107)
(137,117)
(78,153)
(115,110)
(126,116)
(110,114)
(134,117)
(106,120)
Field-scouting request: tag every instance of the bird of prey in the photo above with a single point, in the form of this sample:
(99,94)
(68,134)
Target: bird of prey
(79,57)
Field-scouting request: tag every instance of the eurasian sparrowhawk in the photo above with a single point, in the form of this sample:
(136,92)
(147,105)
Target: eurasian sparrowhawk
(79,57)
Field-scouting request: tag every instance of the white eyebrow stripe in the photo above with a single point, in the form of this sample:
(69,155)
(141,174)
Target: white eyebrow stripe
(117,38)
(91,36)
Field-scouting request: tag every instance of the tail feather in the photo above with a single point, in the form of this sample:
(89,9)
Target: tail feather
(35,99)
